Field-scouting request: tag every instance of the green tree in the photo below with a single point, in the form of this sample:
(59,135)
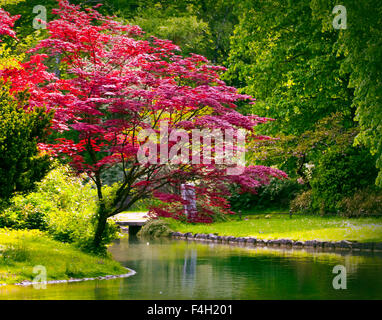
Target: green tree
(361,45)
(295,151)
(198,26)
(280,55)
(340,174)
(185,29)
(322,85)
(20,130)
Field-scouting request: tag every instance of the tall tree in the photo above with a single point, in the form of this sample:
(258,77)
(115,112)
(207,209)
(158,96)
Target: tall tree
(301,69)
(281,55)
(21,128)
(115,84)
(360,42)
(199,26)
(21,163)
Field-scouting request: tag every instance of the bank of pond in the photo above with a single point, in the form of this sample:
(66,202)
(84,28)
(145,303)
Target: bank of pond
(22,251)
(302,227)
(183,269)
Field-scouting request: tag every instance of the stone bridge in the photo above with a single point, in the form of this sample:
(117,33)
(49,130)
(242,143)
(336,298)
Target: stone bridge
(133,220)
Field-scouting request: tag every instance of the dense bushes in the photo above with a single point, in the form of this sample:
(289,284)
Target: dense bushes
(62,205)
(277,194)
(342,182)
(362,203)
(340,174)
(155,228)
(20,162)
(302,203)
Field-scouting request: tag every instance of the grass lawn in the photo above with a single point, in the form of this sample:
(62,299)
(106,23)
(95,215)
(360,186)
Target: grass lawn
(299,227)
(21,250)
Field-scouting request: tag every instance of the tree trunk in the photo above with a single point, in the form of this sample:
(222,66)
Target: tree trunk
(101,226)
(102,215)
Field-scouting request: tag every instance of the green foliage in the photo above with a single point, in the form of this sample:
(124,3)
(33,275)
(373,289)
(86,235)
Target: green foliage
(277,194)
(24,25)
(155,228)
(21,165)
(221,16)
(302,203)
(199,26)
(6,2)
(184,29)
(62,205)
(280,55)
(27,36)
(29,215)
(361,45)
(219,214)
(340,174)
(363,203)
(320,84)
(293,152)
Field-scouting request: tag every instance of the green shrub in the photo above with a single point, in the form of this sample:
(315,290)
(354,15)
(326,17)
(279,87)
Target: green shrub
(277,194)
(21,165)
(63,205)
(242,201)
(26,212)
(362,203)
(339,175)
(155,228)
(302,203)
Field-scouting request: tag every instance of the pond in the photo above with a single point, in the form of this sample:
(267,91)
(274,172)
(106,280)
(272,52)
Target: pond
(176,269)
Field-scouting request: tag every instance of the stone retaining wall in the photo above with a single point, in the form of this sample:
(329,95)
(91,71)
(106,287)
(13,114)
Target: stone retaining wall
(340,245)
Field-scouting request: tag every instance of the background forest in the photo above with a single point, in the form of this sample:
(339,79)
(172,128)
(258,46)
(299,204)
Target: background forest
(320,84)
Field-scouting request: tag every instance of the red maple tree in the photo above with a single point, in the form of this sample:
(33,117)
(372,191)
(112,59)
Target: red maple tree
(6,24)
(113,85)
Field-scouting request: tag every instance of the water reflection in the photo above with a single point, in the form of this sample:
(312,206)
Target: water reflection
(190,270)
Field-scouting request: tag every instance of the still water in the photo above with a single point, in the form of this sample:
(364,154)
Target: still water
(172,269)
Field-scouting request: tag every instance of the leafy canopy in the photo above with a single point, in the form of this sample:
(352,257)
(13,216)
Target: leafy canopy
(113,83)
